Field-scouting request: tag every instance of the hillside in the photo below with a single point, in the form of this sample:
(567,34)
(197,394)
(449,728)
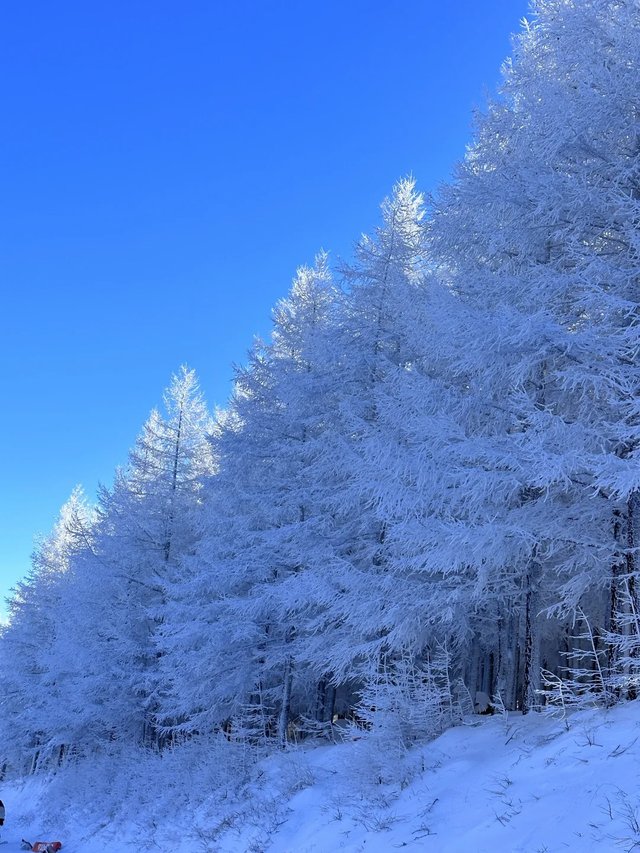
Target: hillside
(523,784)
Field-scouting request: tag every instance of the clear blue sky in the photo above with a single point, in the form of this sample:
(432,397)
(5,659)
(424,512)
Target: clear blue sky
(165,167)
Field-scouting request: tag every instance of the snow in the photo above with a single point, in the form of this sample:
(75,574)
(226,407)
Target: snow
(425,486)
(502,783)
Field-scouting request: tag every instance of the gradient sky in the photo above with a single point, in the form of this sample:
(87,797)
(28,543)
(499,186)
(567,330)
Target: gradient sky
(165,167)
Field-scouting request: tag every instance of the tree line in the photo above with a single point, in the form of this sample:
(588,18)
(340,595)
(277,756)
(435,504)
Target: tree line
(424,487)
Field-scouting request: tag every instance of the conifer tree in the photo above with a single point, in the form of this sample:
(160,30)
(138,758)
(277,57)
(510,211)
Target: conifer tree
(537,234)
(238,612)
(146,523)
(36,684)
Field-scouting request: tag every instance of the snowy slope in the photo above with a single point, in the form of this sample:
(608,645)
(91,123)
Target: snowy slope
(522,785)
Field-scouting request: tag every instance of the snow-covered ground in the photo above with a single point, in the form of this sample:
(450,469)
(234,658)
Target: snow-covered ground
(498,784)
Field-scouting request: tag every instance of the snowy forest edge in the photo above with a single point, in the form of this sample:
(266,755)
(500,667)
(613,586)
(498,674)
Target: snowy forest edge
(421,501)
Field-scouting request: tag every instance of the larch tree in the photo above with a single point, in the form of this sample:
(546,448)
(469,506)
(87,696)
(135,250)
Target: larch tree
(538,235)
(238,614)
(146,523)
(37,686)
(374,612)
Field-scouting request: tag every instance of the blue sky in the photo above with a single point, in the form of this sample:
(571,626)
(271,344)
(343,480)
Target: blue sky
(165,168)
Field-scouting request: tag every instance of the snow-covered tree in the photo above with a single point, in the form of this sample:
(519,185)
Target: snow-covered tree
(146,522)
(238,611)
(35,685)
(537,234)
(443,452)
(381,598)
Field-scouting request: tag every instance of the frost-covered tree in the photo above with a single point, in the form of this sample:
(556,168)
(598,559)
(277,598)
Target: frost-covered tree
(376,602)
(538,235)
(35,683)
(146,523)
(383,284)
(444,451)
(409,700)
(239,609)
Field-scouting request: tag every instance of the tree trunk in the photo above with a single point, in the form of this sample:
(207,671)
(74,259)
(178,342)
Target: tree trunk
(631,546)
(630,561)
(472,673)
(616,570)
(285,708)
(321,696)
(174,484)
(531,663)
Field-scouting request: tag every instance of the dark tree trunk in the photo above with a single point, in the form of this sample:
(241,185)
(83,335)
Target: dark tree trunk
(285,708)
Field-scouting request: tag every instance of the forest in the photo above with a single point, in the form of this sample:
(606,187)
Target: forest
(423,496)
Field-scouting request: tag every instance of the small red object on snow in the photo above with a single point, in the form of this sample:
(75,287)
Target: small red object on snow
(46,846)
